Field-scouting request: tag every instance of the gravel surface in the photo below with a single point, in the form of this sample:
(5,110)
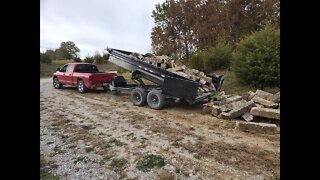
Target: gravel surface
(99,135)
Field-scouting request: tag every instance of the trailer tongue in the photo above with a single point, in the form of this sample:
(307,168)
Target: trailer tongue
(168,85)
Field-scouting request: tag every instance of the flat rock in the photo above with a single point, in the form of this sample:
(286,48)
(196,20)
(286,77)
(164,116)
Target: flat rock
(206,108)
(215,110)
(261,128)
(268,96)
(195,71)
(264,102)
(163,66)
(238,111)
(250,95)
(229,107)
(208,79)
(266,112)
(233,99)
(202,82)
(247,117)
(201,74)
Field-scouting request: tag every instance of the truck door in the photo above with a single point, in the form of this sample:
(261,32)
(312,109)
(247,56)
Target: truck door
(62,74)
(69,74)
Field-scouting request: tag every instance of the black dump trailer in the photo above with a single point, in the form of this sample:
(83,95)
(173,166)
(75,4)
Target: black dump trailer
(168,85)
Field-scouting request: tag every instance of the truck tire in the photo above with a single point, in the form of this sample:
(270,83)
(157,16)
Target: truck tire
(82,87)
(138,97)
(57,84)
(155,99)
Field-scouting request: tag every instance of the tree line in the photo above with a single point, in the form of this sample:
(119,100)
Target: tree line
(185,26)
(69,50)
(239,35)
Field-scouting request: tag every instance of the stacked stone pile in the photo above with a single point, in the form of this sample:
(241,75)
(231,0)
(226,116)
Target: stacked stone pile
(167,63)
(259,103)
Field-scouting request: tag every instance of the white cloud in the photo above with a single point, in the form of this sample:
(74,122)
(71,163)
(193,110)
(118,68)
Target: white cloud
(95,24)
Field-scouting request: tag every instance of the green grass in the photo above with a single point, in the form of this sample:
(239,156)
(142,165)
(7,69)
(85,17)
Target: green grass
(118,164)
(232,86)
(46,70)
(150,161)
(81,159)
(46,169)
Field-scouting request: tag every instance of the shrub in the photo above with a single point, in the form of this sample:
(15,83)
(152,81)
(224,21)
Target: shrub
(257,61)
(45,58)
(89,59)
(219,57)
(98,58)
(77,59)
(197,61)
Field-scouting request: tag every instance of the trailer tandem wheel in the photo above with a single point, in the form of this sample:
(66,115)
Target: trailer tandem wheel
(138,97)
(155,99)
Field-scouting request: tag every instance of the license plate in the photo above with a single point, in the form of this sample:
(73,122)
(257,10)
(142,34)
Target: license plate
(105,84)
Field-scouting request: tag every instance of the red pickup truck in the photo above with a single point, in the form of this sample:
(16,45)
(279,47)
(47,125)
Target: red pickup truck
(82,75)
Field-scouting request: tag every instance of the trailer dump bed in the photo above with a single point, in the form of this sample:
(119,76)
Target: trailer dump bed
(168,85)
(171,83)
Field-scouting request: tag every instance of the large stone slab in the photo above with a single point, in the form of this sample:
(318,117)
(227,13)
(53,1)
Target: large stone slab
(238,111)
(233,99)
(229,107)
(268,96)
(264,102)
(266,112)
(261,128)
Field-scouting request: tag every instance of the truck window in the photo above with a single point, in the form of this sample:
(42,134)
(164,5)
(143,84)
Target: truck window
(70,67)
(64,68)
(86,68)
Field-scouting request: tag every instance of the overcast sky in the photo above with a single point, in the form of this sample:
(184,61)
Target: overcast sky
(96,24)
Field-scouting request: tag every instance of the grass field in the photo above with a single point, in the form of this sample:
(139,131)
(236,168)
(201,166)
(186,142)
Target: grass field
(230,85)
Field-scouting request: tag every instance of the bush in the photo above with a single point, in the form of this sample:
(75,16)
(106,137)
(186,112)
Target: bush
(219,57)
(45,58)
(197,61)
(77,59)
(257,61)
(89,59)
(98,58)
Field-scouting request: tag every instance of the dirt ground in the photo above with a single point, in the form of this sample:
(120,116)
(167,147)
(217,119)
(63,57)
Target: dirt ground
(100,135)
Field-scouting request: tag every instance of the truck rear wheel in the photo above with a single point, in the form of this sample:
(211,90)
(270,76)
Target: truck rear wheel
(82,87)
(138,97)
(155,99)
(57,84)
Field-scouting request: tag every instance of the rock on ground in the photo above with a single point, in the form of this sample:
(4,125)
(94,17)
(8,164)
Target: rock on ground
(238,111)
(263,128)
(266,112)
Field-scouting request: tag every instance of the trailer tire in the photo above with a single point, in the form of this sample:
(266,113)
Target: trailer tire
(138,97)
(56,83)
(81,86)
(155,99)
